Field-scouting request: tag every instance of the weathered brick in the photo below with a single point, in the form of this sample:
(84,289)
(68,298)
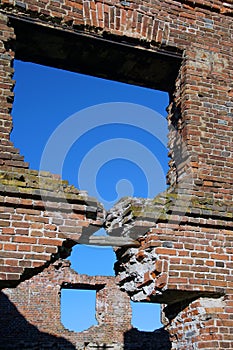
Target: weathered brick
(187,254)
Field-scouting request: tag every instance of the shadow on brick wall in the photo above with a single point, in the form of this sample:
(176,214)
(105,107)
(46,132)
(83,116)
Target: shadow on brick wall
(17,333)
(139,340)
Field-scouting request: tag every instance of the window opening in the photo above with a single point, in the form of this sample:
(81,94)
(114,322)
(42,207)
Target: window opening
(78,309)
(146,316)
(93,260)
(44,98)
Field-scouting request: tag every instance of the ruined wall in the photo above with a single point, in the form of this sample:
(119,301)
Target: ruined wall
(111,306)
(41,219)
(37,307)
(182,257)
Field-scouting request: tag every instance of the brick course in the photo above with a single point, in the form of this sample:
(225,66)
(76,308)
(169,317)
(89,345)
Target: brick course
(183,256)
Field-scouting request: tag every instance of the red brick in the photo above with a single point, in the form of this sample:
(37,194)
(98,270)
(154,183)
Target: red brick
(23,239)
(198,230)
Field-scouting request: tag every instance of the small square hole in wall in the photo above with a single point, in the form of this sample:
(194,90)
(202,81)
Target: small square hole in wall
(93,260)
(78,309)
(146,316)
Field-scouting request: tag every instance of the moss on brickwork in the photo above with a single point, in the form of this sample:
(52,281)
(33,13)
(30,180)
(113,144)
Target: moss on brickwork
(184,48)
(166,203)
(30,181)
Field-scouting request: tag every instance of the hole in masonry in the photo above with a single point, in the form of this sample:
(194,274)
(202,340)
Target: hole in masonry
(146,316)
(51,95)
(78,309)
(123,157)
(93,260)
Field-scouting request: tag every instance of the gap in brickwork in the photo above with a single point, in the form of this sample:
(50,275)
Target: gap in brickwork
(146,316)
(93,260)
(45,97)
(78,309)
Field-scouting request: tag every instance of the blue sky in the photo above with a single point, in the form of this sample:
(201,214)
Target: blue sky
(44,98)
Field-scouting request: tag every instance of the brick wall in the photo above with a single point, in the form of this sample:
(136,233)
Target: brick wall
(27,311)
(112,305)
(9,155)
(41,219)
(183,256)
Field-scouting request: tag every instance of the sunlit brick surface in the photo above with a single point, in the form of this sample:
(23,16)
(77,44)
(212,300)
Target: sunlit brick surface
(182,257)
